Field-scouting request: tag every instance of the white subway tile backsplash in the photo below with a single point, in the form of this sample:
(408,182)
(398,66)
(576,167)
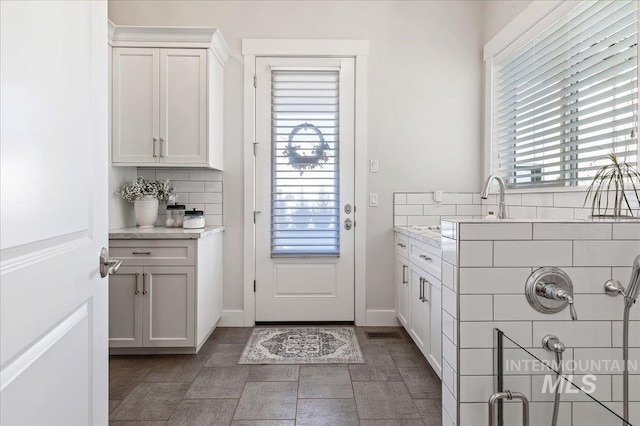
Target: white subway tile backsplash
(601,361)
(409,210)
(449,276)
(439,210)
(449,405)
(213,186)
(532,253)
(572,231)
(521,212)
(602,391)
(172,174)
(605,253)
(538,200)
(626,231)
(206,197)
(468,210)
(568,199)
(513,199)
(575,334)
(598,307)
(423,220)
(495,231)
(634,332)
(420,198)
(493,280)
(476,253)
(199,189)
(448,377)
(457,198)
(449,251)
(634,387)
(593,414)
(476,307)
(399,198)
(588,280)
(471,412)
(557,213)
(187,186)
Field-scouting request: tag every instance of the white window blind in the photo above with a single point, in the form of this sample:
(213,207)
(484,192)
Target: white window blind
(568,98)
(305,184)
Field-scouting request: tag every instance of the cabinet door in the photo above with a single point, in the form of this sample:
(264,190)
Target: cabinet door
(169,306)
(419,311)
(125,308)
(435,316)
(135,105)
(183,106)
(402,290)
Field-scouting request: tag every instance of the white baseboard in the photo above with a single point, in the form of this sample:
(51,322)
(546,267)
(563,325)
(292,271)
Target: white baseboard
(232,318)
(381,318)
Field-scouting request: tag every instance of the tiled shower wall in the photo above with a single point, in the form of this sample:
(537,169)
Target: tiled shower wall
(420,209)
(484,269)
(196,188)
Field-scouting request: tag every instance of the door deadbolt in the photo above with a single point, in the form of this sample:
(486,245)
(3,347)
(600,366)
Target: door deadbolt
(348,224)
(347,208)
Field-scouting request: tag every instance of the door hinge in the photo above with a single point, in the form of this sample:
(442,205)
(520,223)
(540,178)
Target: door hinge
(254,286)
(255,148)
(255,81)
(255,213)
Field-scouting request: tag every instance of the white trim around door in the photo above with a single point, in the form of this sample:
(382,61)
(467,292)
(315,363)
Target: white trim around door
(357,49)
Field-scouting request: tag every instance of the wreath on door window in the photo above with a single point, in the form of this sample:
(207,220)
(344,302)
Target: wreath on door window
(306,159)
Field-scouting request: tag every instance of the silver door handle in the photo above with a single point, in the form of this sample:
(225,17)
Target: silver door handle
(509,396)
(425,257)
(404,274)
(348,224)
(145,253)
(421,288)
(107,264)
(137,282)
(401,245)
(161,147)
(144,283)
(155,140)
(424,290)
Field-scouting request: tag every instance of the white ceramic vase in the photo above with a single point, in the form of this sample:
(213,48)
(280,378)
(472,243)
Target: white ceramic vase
(146,211)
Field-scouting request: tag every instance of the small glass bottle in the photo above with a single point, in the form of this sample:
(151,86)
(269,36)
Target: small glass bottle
(175,216)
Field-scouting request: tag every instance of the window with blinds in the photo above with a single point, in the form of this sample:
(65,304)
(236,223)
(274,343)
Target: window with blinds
(568,98)
(305,187)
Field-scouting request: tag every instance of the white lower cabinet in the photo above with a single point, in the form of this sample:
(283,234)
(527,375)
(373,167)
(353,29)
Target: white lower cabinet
(419,296)
(402,290)
(171,308)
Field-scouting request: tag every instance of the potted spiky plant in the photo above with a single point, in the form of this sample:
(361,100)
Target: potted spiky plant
(610,179)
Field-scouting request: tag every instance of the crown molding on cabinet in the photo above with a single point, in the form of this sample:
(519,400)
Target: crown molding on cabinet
(168,37)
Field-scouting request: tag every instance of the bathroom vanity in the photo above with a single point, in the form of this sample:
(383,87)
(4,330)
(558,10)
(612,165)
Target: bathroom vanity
(418,289)
(167,295)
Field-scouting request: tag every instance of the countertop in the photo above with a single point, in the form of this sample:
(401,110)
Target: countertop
(420,233)
(162,233)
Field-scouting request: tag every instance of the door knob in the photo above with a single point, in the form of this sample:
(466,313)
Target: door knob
(108,265)
(348,224)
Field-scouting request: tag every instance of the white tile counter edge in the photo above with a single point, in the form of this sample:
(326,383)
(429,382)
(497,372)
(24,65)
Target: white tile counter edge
(426,236)
(162,233)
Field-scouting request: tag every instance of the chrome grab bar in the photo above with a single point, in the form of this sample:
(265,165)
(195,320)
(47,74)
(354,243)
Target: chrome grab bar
(508,395)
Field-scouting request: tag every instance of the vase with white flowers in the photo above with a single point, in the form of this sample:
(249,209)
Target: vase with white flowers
(145,196)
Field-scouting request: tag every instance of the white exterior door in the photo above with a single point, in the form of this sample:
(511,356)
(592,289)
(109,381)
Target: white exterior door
(53,302)
(304,189)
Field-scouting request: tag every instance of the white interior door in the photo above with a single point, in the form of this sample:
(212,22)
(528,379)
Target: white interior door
(53,303)
(305,189)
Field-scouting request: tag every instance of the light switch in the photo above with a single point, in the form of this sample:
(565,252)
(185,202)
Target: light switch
(374,166)
(438,196)
(373,199)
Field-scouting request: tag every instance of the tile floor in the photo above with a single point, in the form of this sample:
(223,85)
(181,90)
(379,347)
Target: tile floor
(395,386)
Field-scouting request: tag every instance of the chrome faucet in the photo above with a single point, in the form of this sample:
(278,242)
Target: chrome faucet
(554,292)
(502,214)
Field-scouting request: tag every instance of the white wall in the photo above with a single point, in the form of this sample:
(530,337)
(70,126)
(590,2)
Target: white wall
(424,100)
(498,13)
(120,211)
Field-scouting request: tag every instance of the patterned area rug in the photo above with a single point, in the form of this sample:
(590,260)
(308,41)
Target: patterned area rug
(302,345)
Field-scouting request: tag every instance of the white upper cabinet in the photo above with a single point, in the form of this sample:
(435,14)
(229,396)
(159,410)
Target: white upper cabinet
(167,96)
